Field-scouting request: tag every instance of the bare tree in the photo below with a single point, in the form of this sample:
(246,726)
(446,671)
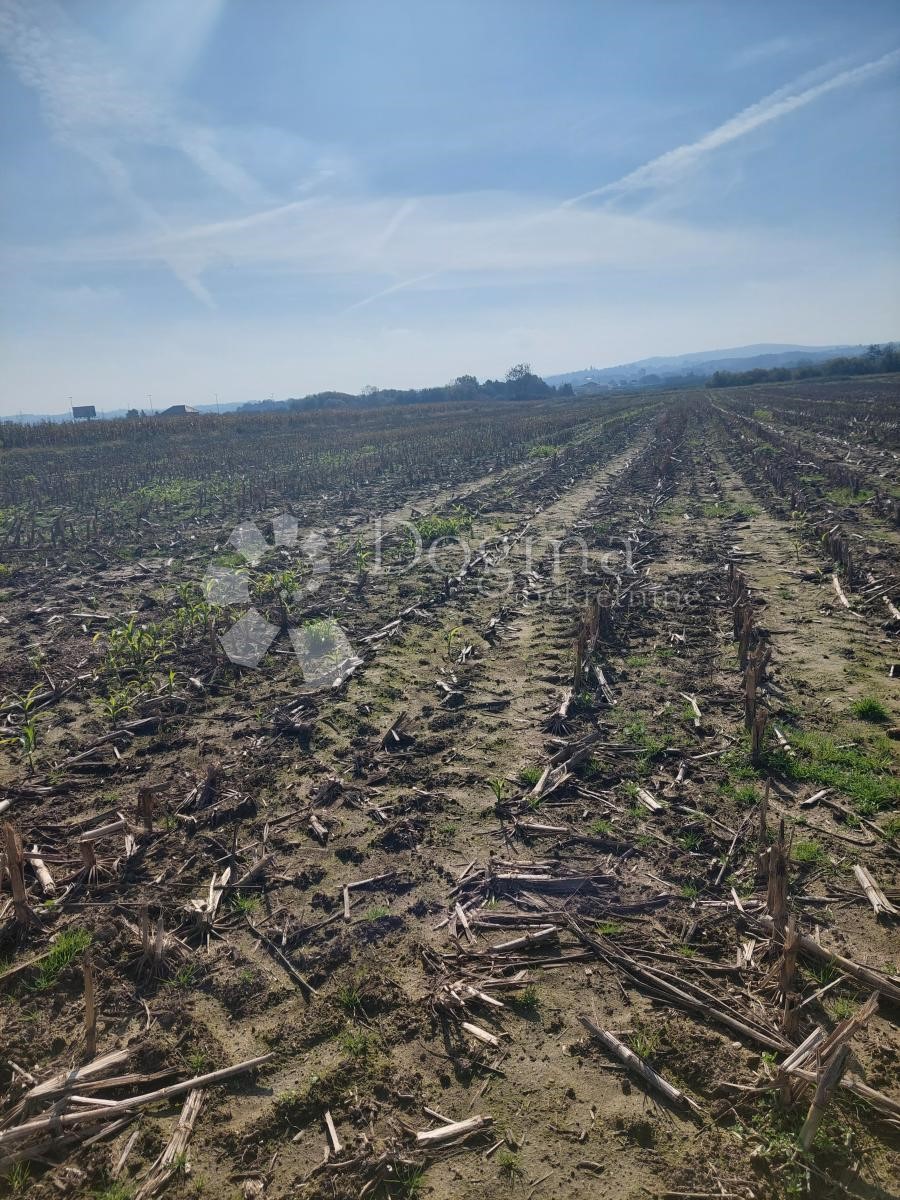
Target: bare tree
(519,372)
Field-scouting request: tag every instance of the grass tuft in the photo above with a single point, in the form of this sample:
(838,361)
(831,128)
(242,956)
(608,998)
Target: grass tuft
(115,1191)
(529,999)
(357,1043)
(645,1041)
(431,529)
(842,1007)
(65,950)
(808,853)
(408,1182)
(509,1165)
(610,928)
(350,997)
(184,977)
(869,709)
(19,1179)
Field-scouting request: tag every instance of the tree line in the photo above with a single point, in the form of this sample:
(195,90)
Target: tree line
(520,383)
(877,360)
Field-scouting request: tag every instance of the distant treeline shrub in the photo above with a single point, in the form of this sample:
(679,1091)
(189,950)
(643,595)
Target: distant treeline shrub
(877,360)
(520,384)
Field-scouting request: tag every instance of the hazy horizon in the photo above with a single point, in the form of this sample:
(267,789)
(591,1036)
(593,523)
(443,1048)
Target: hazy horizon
(219,198)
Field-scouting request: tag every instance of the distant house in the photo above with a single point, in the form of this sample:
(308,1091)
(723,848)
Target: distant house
(83,412)
(178,410)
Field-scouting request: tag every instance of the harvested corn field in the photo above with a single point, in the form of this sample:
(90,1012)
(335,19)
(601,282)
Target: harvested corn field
(435,802)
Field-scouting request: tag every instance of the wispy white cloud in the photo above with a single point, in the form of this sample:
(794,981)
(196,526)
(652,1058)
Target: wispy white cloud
(167,36)
(220,233)
(105,106)
(402,286)
(668,168)
(87,95)
(93,105)
(469,240)
(405,210)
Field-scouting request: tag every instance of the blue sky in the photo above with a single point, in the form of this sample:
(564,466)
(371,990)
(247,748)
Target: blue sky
(283,196)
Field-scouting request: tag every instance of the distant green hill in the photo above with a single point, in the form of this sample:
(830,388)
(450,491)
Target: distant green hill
(703,364)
